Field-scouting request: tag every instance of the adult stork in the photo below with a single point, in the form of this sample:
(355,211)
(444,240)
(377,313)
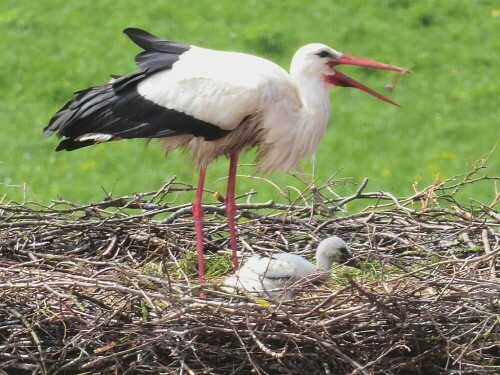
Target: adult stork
(213,103)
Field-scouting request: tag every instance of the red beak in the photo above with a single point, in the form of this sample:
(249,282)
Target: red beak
(340,79)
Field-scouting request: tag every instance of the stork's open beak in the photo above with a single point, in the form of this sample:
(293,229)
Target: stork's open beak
(340,79)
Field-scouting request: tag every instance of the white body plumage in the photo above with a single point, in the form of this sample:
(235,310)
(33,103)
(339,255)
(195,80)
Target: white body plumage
(255,99)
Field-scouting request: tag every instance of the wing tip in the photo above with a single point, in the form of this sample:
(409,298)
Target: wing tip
(132,30)
(141,37)
(47,132)
(71,144)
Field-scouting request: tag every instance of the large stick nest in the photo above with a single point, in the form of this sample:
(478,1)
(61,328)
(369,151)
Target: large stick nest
(111,287)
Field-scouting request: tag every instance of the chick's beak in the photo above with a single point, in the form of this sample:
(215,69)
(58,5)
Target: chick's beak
(353,262)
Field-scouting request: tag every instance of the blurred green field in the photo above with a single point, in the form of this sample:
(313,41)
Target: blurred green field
(449,115)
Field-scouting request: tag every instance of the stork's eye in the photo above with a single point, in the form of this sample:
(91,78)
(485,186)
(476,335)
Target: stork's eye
(324,54)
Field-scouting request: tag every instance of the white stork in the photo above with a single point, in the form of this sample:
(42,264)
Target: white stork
(213,103)
(275,276)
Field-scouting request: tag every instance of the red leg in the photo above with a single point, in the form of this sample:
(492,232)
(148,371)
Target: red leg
(198,224)
(231,206)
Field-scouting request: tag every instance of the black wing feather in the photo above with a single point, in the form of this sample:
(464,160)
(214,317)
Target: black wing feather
(157,51)
(118,110)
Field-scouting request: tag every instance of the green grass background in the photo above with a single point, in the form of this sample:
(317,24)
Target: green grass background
(450,105)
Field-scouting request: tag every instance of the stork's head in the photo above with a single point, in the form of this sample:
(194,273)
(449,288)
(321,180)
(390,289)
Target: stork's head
(320,61)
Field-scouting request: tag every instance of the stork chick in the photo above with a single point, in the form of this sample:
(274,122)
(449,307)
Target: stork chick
(275,276)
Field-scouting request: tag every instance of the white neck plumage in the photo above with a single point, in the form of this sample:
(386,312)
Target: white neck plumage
(300,129)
